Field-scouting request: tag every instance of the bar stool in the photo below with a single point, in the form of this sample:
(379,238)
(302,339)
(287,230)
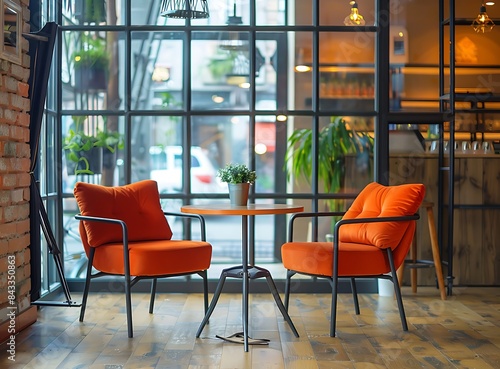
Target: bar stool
(413,263)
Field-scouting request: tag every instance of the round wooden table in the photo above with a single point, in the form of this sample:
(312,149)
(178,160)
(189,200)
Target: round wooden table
(245,271)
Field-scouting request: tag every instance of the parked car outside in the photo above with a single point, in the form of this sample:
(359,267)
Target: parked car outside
(166,170)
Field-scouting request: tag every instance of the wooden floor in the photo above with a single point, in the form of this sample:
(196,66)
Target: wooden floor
(462,332)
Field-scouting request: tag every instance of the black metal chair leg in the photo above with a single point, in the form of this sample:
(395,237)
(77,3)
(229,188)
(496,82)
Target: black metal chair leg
(355,295)
(87,283)
(153,294)
(289,275)
(128,304)
(397,290)
(204,276)
(333,313)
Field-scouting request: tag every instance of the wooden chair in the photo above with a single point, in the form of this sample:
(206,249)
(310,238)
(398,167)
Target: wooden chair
(125,232)
(370,241)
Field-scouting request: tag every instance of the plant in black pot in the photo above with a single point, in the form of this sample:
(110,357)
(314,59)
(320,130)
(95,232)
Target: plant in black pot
(335,141)
(239,178)
(91,63)
(85,152)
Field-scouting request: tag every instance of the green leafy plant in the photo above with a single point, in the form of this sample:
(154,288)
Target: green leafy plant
(77,142)
(335,141)
(221,65)
(236,173)
(92,53)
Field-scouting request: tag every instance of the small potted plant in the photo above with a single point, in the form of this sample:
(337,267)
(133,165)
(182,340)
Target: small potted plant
(239,178)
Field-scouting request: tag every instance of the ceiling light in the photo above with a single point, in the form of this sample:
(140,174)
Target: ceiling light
(194,9)
(354,19)
(483,23)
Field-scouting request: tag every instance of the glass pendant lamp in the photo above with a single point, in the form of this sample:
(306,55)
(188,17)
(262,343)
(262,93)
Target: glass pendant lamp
(483,22)
(354,19)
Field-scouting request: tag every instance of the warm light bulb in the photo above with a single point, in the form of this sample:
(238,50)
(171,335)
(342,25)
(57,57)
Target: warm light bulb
(302,68)
(354,19)
(483,22)
(281,118)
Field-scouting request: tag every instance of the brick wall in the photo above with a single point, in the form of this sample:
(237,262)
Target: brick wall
(14,185)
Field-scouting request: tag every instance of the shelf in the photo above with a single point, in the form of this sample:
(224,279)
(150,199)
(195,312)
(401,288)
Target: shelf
(344,103)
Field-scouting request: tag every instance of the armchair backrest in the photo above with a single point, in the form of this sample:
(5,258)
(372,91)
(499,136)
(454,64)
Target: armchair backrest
(137,204)
(376,200)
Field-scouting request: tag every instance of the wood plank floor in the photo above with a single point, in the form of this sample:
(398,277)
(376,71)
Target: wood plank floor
(462,332)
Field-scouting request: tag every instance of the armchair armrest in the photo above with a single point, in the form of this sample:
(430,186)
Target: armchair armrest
(309,215)
(191,216)
(89,218)
(126,259)
(402,218)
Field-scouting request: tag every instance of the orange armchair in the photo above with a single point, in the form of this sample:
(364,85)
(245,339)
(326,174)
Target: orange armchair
(125,232)
(371,240)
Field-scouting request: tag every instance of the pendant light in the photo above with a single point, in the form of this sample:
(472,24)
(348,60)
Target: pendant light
(483,22)
(184,9)
(233,40)
(354,19)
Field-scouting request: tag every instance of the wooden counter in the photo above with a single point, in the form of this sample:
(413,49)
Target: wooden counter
(476,231)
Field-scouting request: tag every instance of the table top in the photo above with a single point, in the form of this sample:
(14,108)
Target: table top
(250,209)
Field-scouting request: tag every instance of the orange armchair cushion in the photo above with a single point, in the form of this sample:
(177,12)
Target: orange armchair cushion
(316,258)
(137,204)
(376,200)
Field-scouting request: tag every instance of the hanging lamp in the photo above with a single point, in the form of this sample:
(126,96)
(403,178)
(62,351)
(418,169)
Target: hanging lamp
(483,22)
(184,9)
(233,40)
(354,19)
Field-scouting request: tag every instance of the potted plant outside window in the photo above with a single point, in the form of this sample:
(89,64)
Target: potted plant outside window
(91,64)
(239,178)
(90,11)
(84,152)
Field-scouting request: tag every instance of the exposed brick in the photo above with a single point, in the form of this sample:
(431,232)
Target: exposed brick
(11,84)
(4,164)
(23,149)
(23,179)
(4,197)
(23,226)
(23,119)
(17,195)
(25,287)
(4,98)
(20,73)
(3,261)
(4,130)
(17,245)
(9,149)
(8,181)
(8,230)
(20,102)
(14,167)
(23,89)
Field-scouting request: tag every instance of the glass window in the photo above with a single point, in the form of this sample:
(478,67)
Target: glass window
(180,120)
(157,71)
(273,13)
(94,12)
(90,70)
